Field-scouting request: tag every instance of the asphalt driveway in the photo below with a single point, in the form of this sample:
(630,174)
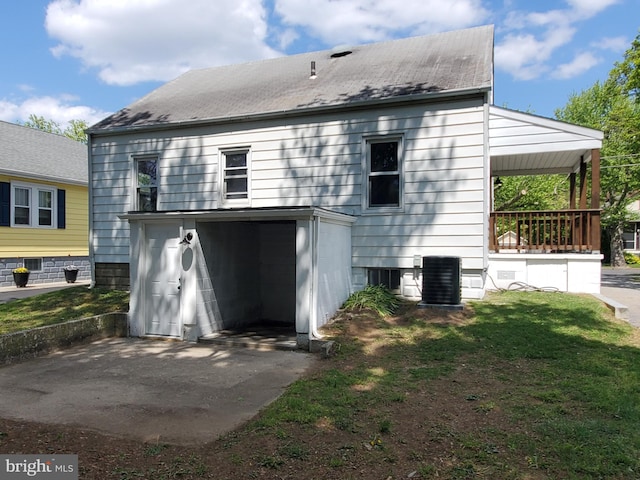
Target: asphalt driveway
(172,392)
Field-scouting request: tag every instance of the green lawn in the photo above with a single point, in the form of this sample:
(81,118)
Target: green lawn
(60,306)
(522,386)
(534,385)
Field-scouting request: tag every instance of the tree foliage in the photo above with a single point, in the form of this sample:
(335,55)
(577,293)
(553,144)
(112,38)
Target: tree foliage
(529,192)
(75,130)
(613,106)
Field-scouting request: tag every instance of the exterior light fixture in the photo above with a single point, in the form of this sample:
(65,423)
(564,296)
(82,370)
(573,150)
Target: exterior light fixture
(187,239)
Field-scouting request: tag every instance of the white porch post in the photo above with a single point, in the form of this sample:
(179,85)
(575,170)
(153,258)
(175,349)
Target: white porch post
(189,283)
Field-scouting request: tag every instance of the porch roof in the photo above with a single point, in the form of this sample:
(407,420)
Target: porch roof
(525,144)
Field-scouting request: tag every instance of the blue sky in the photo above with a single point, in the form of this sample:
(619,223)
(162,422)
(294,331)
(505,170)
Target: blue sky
(84,59)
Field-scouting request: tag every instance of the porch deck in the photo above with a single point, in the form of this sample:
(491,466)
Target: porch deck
(545,231)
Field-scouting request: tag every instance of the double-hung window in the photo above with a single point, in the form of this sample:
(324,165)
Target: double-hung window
(146,181)
(33,206)
(384,182)
(235,176)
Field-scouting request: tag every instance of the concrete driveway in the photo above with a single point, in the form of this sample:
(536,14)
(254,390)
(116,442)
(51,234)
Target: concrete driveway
(623,286)
(171,392)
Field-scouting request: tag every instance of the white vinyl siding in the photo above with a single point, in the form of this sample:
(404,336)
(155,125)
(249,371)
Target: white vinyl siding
(334,284)
(317,161)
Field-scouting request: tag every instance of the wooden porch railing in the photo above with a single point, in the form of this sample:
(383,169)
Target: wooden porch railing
(545,231)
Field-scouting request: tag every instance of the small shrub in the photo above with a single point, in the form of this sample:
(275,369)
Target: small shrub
(631,259)
(374,297)
(155,449)
(384,426)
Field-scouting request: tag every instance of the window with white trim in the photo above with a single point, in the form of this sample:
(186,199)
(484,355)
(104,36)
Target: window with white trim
(384,164)
(146,182)
(235,176)
(33,205)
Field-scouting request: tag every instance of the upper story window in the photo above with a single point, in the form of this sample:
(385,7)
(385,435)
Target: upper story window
(146,174)
(235,176)
(384,182)
(33,205)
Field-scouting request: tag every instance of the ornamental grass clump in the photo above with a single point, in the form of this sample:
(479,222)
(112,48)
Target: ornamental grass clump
(374,297)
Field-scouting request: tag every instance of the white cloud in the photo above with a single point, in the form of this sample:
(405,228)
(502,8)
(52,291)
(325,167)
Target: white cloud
(287,37)
(130,42)
(614,44)
(589,8)
(580,64)
(59,109)
(532,39)
(358,21)
(526,57)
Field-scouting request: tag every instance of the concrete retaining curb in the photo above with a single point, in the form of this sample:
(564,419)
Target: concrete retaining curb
(619,310)
(31,343)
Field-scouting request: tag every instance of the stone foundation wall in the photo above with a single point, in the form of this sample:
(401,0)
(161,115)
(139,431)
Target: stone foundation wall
(31,343)
(52,270)
(112,275)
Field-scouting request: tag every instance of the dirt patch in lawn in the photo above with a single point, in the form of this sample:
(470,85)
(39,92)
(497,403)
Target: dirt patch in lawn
(443,415)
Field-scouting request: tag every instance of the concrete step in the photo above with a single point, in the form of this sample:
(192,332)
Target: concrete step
(254,338)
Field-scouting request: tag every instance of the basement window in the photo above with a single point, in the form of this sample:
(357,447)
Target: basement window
(33,264)
(389,277)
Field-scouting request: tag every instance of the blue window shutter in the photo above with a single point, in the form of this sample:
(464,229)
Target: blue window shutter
(62,208)
(5,204)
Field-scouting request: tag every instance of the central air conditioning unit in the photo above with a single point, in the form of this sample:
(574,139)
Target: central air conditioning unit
(441,282)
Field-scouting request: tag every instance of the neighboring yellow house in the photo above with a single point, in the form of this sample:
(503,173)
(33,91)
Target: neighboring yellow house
(43,205)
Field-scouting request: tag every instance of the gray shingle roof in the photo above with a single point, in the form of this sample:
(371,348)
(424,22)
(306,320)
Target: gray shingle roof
(31,153)
(445,62)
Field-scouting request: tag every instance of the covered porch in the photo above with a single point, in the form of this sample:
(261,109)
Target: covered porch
(546,249)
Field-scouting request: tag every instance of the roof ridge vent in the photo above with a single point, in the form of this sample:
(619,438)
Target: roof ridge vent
(341,51)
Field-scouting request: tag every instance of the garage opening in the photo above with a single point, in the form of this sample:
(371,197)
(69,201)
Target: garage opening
(247,280)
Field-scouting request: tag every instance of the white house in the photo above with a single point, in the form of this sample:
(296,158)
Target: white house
(274,189)
(631,235)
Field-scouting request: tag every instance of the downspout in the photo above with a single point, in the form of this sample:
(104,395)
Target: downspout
(90,174)
(313,320)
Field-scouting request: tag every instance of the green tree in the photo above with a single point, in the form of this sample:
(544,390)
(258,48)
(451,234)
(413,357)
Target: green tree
(528,192)
(614,108)
(75,130)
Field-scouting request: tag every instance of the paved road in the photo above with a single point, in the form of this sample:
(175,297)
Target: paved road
(623,286)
